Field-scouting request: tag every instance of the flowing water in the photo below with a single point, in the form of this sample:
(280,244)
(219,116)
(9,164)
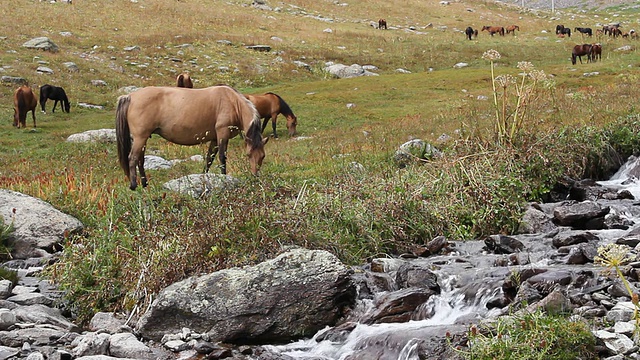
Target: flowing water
(468,279)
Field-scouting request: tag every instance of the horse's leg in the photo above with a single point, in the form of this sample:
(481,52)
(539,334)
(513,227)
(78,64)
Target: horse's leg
(265,121)
(137,151)
(33,115)
(55,102)
(222,154)
(211,154)
(273,125)
(143,175)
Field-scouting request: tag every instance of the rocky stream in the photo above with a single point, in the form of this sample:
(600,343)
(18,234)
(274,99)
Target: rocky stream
(305,304)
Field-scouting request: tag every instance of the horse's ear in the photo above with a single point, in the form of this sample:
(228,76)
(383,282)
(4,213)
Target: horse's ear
(265,141)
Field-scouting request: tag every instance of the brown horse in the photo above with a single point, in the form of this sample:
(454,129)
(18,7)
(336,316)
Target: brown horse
(269,106)
(494,29)
(596,52)
(24,101)
(512,29)
(186,117)
(184,80)
(579,51)
(382,24)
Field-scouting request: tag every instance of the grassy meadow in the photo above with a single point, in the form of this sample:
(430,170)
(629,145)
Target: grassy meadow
(307,195)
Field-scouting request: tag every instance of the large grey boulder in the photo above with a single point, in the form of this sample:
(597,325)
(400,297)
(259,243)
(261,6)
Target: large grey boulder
(100,135)
(38,226)
(579,215)
(41,43)
(343,71)
(198,185)
(289,297)
(415,150)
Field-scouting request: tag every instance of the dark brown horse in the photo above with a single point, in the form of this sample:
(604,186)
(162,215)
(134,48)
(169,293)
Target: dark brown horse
(579,51)
(596,52)
(184,80)
(24,101)
(512,29)
(55,93)
(186,117)
(494,30)
(382,24)
(269,106)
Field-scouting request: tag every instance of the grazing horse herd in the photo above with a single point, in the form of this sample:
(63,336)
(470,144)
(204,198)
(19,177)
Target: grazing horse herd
(593,51)
(219,113)
(24,100)
(182,115)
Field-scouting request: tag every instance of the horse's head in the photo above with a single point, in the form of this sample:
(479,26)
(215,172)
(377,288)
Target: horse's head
(256,154)
(16,118)
(292,122)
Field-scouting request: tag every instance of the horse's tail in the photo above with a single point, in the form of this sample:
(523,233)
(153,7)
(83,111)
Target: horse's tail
(123,135)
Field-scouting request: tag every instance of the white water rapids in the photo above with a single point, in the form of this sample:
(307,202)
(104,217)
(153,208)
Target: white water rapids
(445,308)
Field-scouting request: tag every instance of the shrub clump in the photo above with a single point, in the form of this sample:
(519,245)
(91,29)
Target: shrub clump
(532,336)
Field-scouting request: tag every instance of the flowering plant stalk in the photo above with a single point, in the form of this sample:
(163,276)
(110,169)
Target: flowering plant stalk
(508,125)
(613,257)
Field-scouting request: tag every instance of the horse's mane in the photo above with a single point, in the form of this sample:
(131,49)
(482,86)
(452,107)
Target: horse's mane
(284,107)
(254,133)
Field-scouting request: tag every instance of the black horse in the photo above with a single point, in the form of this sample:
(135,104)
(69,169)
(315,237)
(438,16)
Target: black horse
(584,31)
(561,30)
(55,93)
(470,32)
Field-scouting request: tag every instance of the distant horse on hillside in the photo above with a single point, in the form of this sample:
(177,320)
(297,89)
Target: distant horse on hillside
(494,29)
(470,32)
(269,106)
(579,51)
(609,29)
(184,80)
(584,31)
(512,29)
(382,24)
(596,52)
(24,101)
(561,30)
(56,94)
(186,117)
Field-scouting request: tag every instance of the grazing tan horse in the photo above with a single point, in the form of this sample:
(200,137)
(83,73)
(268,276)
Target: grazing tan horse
(512,29)
(382,24)
(186,117)
(184,80)
(269,106)
(494,29)
(24,101)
